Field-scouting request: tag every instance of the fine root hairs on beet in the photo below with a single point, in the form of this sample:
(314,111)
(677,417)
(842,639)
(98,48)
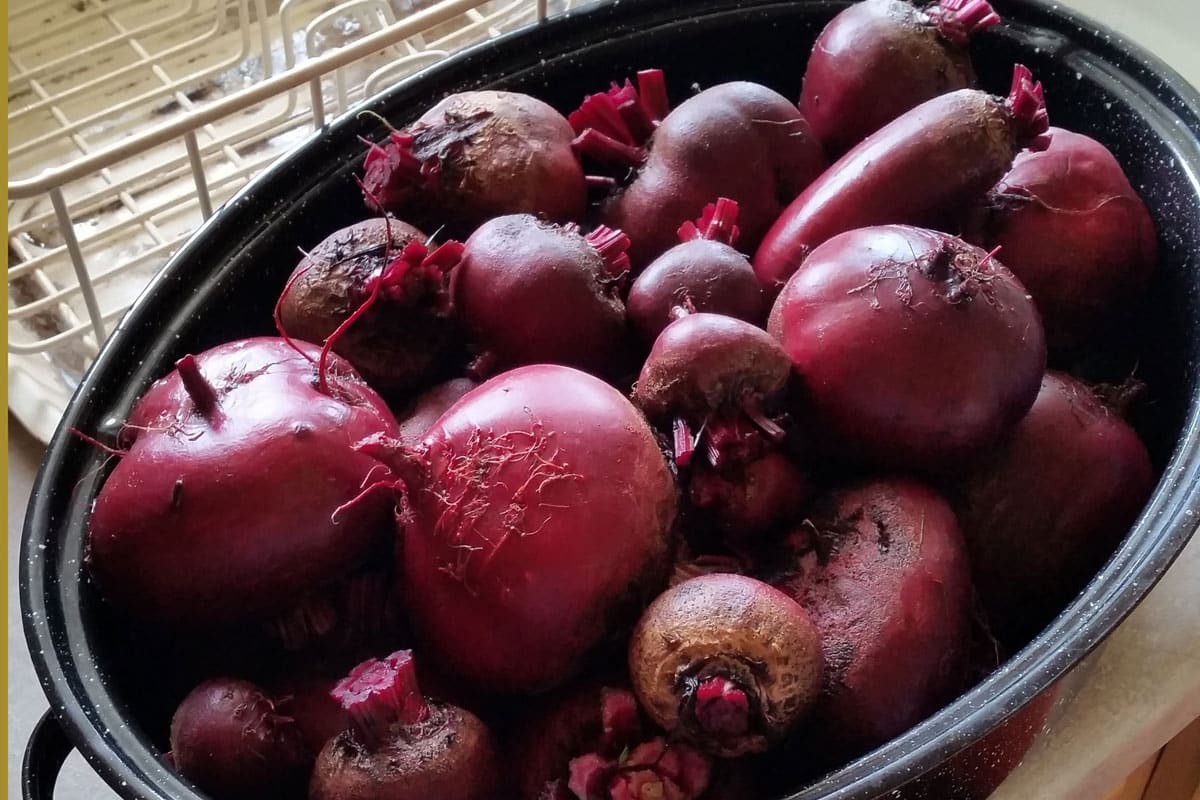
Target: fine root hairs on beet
(1043,511)
(926,167)
(403,746)
(737,140)
(916,350)
(879,58)
(1072,228)
(882,569)
(704,270)
(727,663)
(474,156)
(232,740)
(223,509)
(538,519)
(529,292)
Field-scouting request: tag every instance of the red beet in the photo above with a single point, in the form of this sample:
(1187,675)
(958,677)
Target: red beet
(726,662)
(753,498)
(916,350)
(715,376)
(381,302)
(924,168)
(1037,523)
(531,292)
(419,417)
(229,504)
(882,570)
(478,155)
(737,140)
(1075,232)
(539,512)
(229,739)
(879,58)
(704,271)
(401,746)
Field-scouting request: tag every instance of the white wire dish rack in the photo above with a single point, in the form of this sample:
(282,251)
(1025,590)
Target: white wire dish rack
(130,120)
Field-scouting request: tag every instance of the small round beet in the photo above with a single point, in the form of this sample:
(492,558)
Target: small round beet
(477,155)
(531,292)
(402,746)
(228,738)
(405,336)
(1071,227)
(726,662)
(882,569)
(429,406)
(916,350)
(1037,525)
(879,58)
(704,270)
(704,362)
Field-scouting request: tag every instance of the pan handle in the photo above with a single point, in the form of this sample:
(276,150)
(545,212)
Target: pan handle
(45,753)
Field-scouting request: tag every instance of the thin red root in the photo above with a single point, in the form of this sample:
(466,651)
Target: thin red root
(390,485)
(607,150)
(987,258)
(197,386)
(717,222)
(619,720)
(277,313)
(309,621)
(378,694)
(1027,103)
(722,708)
(94,442)
(684,443)
(612,245)
(652,91)
(959,20)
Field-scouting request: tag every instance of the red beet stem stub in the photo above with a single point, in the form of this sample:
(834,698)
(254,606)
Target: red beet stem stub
(197,386)
(392,167)
(377,694)
(717,223)
(1027,103)
(589,775)
(612,245)
(606,149)
(652,91)
(721,707)
(959,20)
(684,442)
(619,720)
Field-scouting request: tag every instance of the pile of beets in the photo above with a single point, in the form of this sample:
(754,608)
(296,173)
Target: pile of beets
(699,448)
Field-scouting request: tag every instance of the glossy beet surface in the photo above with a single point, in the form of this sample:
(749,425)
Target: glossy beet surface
(222,284)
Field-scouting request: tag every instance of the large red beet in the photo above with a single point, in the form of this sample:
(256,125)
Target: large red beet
(539,515)
(916,349)
(223,507)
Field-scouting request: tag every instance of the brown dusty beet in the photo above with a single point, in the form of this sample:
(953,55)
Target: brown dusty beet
(477,155)
(738,140)
(1071,227)
(1043,512)
(704,270)
(879,58)
(401,342)
(532,292)
(915,350)
(402,746)
(726,662)
(926,167)
(881,568)
(228,738)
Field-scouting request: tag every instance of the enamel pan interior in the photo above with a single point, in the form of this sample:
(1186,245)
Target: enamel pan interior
(222,283)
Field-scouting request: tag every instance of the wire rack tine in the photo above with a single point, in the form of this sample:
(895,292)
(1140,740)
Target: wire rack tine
(67,228)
